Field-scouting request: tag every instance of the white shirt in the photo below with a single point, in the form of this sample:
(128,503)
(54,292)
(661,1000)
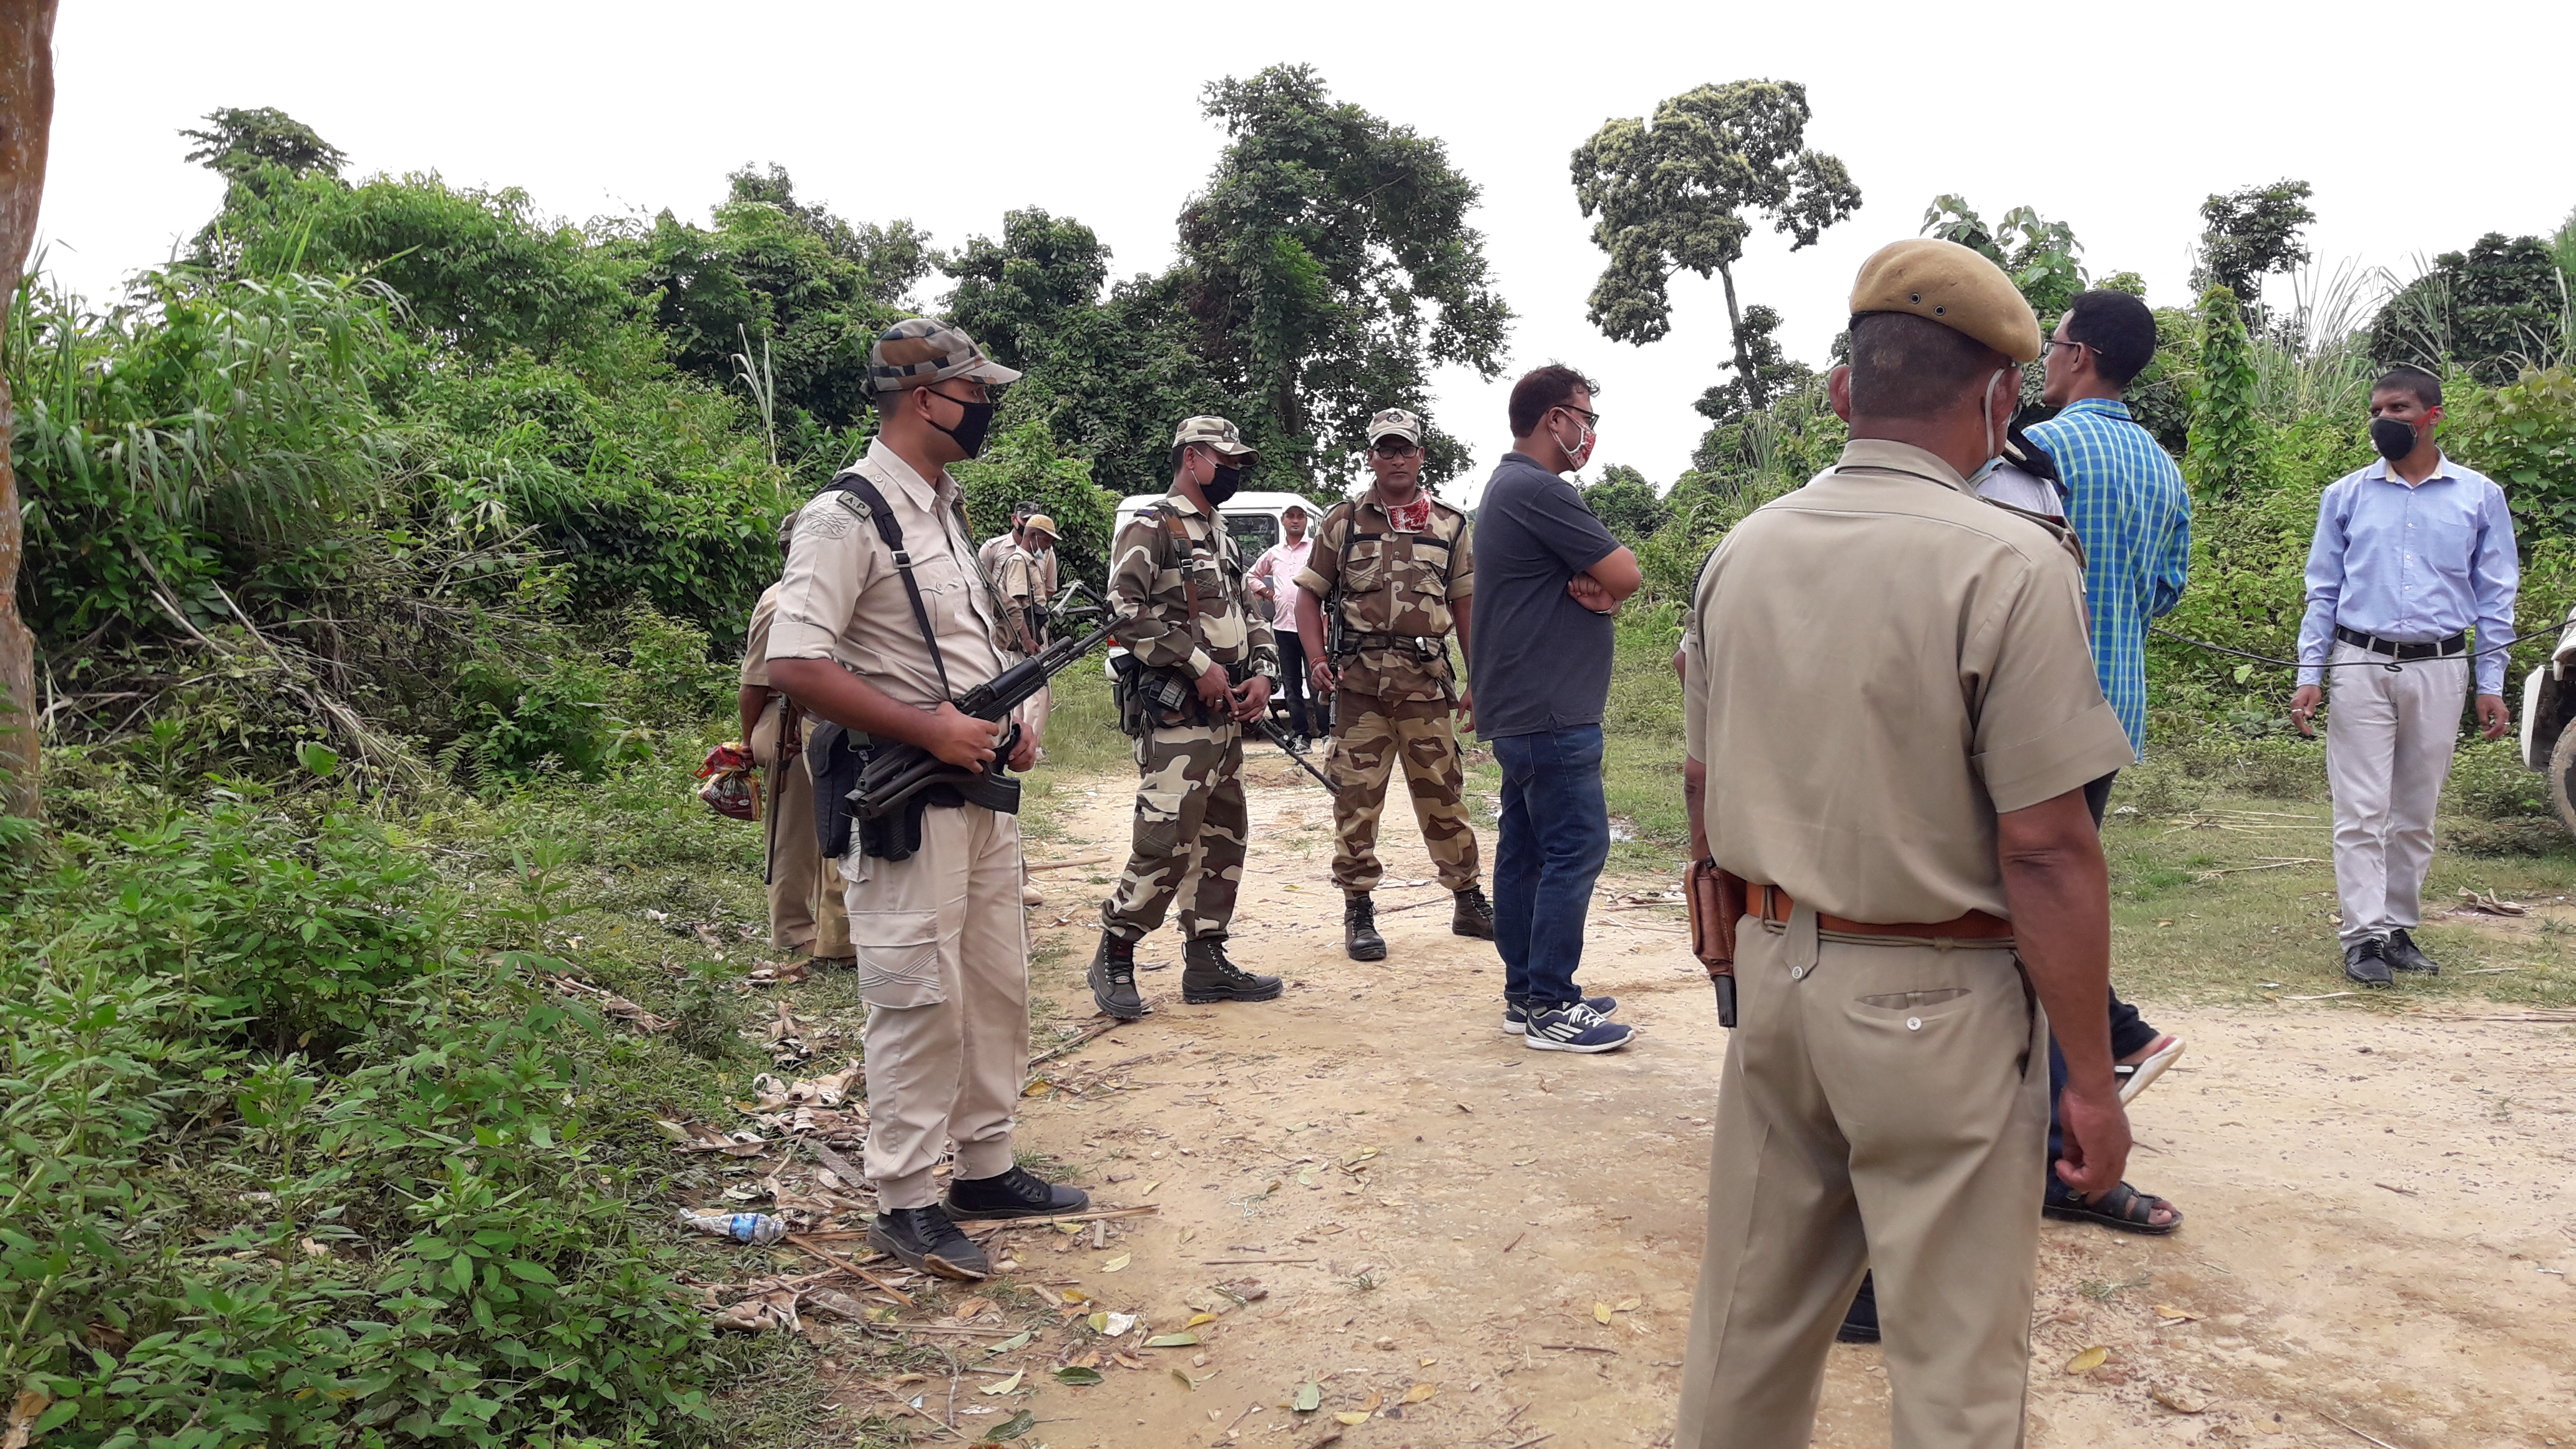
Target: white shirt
(1279,565)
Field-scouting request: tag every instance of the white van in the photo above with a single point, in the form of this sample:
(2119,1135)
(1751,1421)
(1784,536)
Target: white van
(1253,519)
(2549,722)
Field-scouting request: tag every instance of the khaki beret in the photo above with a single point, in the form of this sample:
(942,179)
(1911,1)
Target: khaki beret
(1039,523)
(1953,285)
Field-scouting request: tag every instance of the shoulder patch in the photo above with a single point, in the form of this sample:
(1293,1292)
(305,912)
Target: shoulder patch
(834,522)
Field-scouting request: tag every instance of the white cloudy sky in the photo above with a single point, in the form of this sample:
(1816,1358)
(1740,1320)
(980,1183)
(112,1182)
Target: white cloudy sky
(2420,125)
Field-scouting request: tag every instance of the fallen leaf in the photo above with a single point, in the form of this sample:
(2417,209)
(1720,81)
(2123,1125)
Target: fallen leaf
(1601,1311)
(1310,1397)
(1077,1376)
(1128,1361)
(1114,1264)
(1375,1398)
(2178,1315)
(1187,1382)
(1004,1386)
(2266,1426)
(1149,1188)
(1013,1427)
(2087,1361)
(1419,1392)
(971,1308)
(1173,1340)
(2179,1400)
(1016,1341)
(1631,1305)
(1198,1318)
(1076,1295)
(1351,1417)
(1426,1363)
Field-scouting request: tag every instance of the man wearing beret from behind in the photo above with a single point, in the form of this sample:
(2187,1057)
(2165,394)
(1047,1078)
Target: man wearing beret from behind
(1891,687)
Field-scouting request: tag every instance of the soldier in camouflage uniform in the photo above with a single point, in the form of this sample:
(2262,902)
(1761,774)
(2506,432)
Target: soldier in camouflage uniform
(1197,665)
(1390,572)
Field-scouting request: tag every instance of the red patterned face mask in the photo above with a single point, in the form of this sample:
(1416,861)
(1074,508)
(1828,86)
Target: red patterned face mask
(1411,517)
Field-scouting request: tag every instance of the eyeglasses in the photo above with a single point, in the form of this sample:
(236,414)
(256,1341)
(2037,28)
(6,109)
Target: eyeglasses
(1397,449)
(1590,418)
(2054,343)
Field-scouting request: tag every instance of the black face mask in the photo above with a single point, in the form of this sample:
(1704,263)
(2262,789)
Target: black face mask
(1221,484)
(969,433)
(2392,438)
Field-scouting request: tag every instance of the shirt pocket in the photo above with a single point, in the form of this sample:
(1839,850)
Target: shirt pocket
(898,958)
(1364,566)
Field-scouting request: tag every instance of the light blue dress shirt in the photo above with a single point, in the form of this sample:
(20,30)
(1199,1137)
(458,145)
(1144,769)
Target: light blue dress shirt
(2412,564)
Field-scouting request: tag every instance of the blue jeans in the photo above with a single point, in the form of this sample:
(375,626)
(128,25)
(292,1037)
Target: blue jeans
(1555,837)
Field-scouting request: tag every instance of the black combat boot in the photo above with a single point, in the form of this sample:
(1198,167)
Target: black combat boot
(1113,978)
(1207,976)
(1017,1193)
(1359,929)
(1474,916)
(924,1240)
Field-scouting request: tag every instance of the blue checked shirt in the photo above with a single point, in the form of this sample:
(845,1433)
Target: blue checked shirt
(2412,564)
(2131,511)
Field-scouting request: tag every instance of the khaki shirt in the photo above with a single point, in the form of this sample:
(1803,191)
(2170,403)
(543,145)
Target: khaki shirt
(1023,576)
(1392,583)
(1879,663)
(843,599)
(755,649)
(1151,601)
(996,553)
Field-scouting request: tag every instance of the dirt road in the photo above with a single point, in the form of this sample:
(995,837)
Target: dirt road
(1473,1243)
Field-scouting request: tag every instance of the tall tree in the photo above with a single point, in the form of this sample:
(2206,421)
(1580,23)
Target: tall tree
(894,254)
(2491,309)
(2250,234)
(1672,197)
(240,142)
(1763,372)
(1330,267)
(26,127)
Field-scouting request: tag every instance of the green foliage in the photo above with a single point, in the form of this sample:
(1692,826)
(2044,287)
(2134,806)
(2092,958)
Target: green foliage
(2220,458)
(1328,266)
(1024,463)
(2039,255)
(2249,235)
(1672,196)
(1762,370)
(238,144)
(2494,309)
(2523,435)
(1626,504)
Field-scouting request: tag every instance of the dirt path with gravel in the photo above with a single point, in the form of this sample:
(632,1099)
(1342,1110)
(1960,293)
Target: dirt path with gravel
(1471,1243)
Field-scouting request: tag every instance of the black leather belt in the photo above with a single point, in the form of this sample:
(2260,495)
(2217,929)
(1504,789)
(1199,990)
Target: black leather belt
(2401,649)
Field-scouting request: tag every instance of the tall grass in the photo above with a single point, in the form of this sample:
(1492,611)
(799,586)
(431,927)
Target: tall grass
(2314,360)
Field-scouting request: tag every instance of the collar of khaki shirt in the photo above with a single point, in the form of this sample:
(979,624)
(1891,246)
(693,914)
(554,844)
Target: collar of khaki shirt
(1889,456)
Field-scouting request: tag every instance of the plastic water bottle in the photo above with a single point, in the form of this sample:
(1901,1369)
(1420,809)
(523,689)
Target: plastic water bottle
(757,1229)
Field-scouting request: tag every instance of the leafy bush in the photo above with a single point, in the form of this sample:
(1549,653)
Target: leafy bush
(2523,435)
(1025,464)
(2488,781)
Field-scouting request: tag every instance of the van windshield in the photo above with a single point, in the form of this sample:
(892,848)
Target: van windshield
(1254,533)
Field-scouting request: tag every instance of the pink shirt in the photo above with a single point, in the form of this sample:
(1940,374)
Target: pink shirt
(1279,566)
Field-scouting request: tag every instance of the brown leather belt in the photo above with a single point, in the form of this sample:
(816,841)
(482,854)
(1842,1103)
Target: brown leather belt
(1773,905)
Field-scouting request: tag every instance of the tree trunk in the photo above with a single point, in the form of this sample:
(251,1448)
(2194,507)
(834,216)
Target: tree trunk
(1753,399)
(26,121)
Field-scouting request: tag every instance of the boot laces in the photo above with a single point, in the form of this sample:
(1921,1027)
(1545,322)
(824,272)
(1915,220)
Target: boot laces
(1359,911)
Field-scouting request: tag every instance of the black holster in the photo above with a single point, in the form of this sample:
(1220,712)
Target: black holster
(836,756)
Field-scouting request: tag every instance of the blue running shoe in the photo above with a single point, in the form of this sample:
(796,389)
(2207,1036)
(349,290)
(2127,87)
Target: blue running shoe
(1574,1028)
(1516,1013)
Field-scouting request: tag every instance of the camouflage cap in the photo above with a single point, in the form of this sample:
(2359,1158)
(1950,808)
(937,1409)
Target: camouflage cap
(1396,423)
(1217,433)
(918,351)
(1942,281)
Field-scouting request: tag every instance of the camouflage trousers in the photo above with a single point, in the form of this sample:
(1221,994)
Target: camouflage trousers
(1189,836)
(1370,735)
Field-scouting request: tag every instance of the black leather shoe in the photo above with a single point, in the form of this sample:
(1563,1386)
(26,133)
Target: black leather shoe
(924,1240)
(1113,979)
(1014,1194)
(2366,961)
(1359,929)
(2405,955)
(1474,915)
(1207,976)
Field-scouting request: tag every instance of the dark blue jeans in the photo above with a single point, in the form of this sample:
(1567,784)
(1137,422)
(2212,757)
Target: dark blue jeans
(1555,837)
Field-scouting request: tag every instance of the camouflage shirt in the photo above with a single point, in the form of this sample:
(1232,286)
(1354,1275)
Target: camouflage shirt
(1391,583)
(1151,581)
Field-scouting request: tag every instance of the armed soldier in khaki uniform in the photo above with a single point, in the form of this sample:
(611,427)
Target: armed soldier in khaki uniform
(1197,666)
(883,622)
(1026,581)
(1891,686)
(1390,573)
(806,913)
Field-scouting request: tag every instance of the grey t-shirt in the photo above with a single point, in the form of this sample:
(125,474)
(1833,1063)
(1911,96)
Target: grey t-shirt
(1541,661)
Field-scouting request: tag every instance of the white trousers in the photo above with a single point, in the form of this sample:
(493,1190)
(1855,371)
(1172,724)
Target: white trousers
(943,964)
(2389,737)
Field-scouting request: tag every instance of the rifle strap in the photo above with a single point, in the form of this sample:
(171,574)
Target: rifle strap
(872,503)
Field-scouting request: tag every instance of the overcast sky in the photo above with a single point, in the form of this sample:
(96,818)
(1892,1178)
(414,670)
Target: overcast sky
(2421,127)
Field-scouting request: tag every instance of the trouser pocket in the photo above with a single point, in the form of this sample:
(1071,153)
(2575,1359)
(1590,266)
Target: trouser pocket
(898,958)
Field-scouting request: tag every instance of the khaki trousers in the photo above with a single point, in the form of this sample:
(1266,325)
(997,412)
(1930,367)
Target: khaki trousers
(1881,1107)
(943,964)
(2388,751)
(805,909)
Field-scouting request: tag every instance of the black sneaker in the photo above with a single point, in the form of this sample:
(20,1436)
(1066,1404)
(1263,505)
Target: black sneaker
(1207,976)
(1573,1027)
(1474,915)
(1359,929)
(2366,961)
(924,1240)
(1860,1321)
(1516,1013)
(1113,978)
(1014,1194)
(2405,955)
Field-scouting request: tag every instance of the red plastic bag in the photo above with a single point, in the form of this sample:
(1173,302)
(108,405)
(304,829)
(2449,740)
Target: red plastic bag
(731,788)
